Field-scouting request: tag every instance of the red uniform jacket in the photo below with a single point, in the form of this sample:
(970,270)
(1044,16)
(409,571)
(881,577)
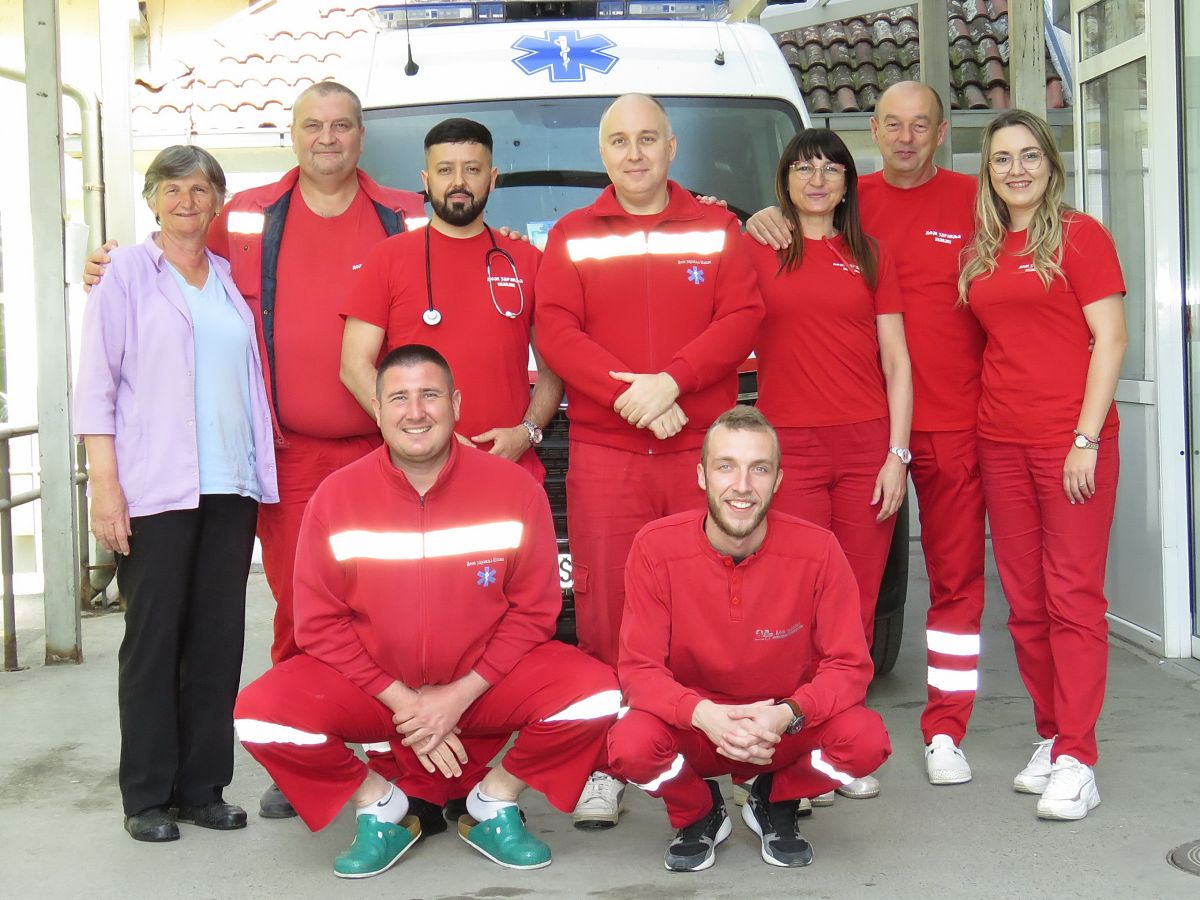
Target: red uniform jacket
(248,233)
(394,586)
(785,622)
(670,293)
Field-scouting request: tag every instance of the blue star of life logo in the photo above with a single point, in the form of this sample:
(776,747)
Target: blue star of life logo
(485,577)
(565,54)
(695,275)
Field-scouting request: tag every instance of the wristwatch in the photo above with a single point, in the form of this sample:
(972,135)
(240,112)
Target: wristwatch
(535,433)
(1083,442)
(901,453)
(797,716)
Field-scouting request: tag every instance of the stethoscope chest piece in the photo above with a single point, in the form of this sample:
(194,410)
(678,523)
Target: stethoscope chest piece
(431,317)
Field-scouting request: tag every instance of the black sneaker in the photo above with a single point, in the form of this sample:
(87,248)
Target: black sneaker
(430,815)
(455,809)
(775,824)
(695,845)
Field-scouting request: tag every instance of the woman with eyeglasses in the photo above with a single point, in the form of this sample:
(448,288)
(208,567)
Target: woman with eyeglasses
(1046,285)
(833,368)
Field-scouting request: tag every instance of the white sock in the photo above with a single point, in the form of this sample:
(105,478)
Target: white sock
(392,807)
(482,807)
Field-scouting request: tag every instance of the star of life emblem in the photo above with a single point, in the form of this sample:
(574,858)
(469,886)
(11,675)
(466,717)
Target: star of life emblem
(565,55)
(485,577)
(695,275)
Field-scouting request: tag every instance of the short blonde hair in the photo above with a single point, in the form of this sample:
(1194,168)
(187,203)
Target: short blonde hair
(741,418)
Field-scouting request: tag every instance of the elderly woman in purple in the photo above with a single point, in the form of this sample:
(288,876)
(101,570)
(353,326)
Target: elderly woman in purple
(171,407)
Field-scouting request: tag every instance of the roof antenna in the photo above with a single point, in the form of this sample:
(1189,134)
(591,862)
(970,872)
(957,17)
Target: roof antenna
(719,59)
(410,67)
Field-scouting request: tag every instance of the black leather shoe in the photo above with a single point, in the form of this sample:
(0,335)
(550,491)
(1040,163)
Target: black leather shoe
(273,805)
(154,825)
(430,815)
(219,816)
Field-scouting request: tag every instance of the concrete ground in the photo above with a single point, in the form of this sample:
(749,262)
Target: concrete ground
(61,834)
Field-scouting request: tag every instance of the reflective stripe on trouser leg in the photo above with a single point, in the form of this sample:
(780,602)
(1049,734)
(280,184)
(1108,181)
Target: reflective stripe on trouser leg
(821,765)
(295,721)
(945,474)
(671,772)
(953,679)
(560,702)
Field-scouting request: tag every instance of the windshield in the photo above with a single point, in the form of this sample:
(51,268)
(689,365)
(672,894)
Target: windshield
(547,151)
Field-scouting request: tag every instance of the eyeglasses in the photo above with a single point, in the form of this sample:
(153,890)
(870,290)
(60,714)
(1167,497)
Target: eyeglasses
(806,170)
(1031,161)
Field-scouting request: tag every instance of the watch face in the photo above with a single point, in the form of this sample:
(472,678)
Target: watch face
(1081,442)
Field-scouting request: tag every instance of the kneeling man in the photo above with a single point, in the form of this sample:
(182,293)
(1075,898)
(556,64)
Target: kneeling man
(426,597)
(742,653)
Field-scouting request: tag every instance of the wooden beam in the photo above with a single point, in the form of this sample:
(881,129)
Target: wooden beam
(1027,54)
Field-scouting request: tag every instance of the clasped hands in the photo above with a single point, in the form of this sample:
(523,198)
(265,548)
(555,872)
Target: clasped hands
(747,732)
(428,719)
(649,402)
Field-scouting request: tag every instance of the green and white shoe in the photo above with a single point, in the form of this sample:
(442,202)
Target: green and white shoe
(504,840)
(377,847)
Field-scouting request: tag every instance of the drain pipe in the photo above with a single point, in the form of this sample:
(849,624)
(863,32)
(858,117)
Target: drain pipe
(102,570)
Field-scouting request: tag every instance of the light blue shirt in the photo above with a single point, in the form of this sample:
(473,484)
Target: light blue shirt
(223,371)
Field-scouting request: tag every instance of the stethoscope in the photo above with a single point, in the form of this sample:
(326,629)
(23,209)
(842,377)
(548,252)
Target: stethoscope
(433,316)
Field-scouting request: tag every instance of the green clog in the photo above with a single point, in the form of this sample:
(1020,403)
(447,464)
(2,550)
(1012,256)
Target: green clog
(377,847)
(504,840)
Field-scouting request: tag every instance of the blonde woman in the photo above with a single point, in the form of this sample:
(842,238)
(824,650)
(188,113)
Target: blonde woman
(1046,285)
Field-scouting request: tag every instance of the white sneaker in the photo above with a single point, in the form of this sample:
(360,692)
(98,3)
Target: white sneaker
(601,803)
(861,788)
(945,763)
(825,799)
(1071,791)
(1036,775)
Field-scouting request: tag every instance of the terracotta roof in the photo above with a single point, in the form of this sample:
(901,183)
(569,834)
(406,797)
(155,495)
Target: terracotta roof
(243,74)
(845,66)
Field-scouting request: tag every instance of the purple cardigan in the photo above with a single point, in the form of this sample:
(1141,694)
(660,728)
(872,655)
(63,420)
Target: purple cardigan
(136,362)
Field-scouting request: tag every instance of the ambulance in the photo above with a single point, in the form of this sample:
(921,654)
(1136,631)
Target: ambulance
(539,76)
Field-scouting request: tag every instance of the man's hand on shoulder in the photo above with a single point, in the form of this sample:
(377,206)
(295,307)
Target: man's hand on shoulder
(512,235)
(768,226)
(93,268)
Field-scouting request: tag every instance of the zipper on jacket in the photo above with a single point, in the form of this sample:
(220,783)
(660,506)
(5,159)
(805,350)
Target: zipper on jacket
(422,624)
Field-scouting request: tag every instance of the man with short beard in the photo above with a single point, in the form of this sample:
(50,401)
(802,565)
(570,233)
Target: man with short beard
(741,653)
(451,287)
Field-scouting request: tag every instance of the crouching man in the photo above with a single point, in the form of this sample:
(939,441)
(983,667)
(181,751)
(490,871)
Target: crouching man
(742,653)
(426,595)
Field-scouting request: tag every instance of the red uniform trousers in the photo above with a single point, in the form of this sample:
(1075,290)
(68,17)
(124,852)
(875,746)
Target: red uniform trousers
(1051,555)
(611,494)
(300,466)
(672,763)
(296,718)
(829,476)
(945,473)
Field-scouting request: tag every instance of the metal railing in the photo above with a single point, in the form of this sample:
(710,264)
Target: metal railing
(9,502)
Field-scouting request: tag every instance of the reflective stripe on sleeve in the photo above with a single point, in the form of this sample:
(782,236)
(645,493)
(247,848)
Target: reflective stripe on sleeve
(409,545)
(952,644)
(674,769)
(380,747)
(954,679)
(252,731)
(242,222)
(821,765)
(597,706)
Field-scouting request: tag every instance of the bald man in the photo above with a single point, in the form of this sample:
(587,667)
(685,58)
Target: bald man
(646,306)
(924,216)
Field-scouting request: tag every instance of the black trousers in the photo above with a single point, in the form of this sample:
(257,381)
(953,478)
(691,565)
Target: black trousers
(180,662)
